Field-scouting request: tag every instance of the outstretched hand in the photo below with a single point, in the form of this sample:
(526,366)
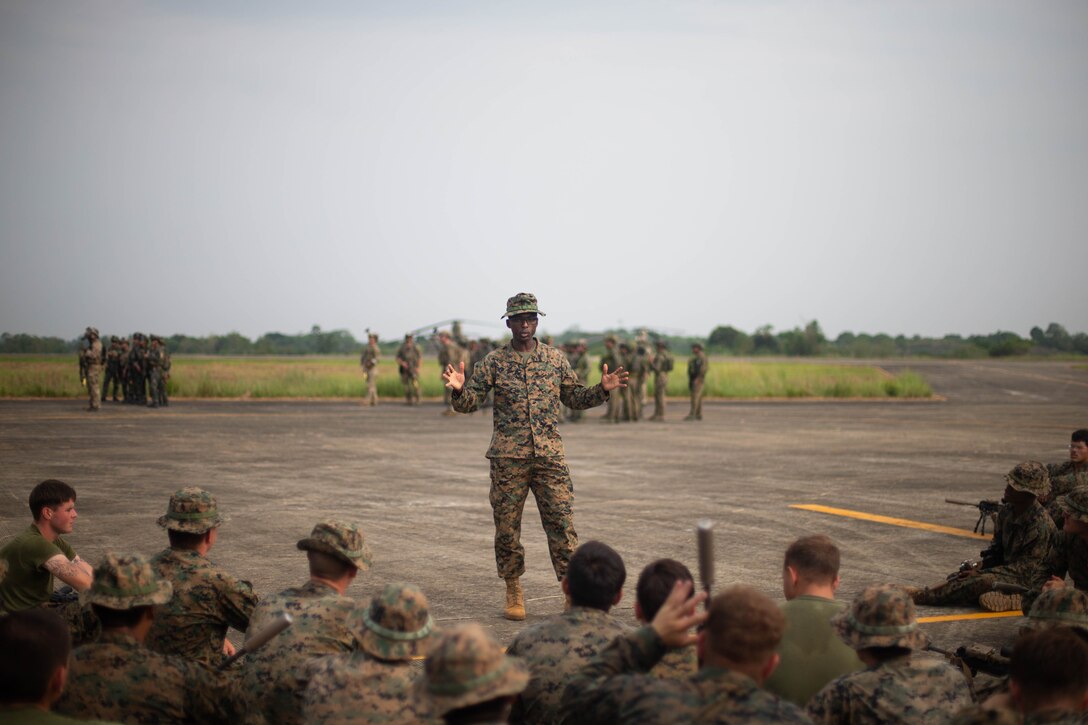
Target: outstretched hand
(679,613)
(455,379)
(611,381)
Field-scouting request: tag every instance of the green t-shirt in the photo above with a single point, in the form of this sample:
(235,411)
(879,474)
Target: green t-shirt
(812,654)
(29,715)
(27,583)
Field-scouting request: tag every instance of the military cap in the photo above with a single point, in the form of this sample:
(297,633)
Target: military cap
(344,541)
(1030,477)
(467,667)
(397,624)
(1075,504)
(191,510)
(114,338)
(127,581)
(520,304)
(156,338)
(1062,607)
(662,343)
(610,338)
(91,331)
(881,616)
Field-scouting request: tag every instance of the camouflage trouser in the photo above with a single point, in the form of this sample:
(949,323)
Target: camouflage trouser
(628,403)
(112,376)
(638,395)
(964,592)
(447,399)
(94,372)
(411,389)
(372,387)
(661,384)
(615,406)
(156,388)
(696,399)
(549,480)
(81,621)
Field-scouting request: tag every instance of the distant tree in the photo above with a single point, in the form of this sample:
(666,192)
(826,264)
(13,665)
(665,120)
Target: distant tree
(232,344)
(23,343)
(1038,336)
(1058,338)
(764,341)
(727,337)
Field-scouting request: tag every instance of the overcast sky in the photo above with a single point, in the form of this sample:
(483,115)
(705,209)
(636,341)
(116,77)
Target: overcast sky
(207,166)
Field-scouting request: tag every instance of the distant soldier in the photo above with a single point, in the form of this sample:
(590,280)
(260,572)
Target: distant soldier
(662,365)
(207,600)
(697,369)
(275,677)
(369,362)
(122,366)
(158,370)
(1066,476)
(90,367)
(579,363)
(627,360)
(655,583)
(113,369)
(611,360)
(449,353)
(377,683)
(409,360)
(641,368)
(137,370)
(1069,554)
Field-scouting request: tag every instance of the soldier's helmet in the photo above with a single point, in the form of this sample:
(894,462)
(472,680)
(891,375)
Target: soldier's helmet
(191,510)
(91,332)
(1030,477)
(397,625)
(610,338)
(1064,607)
(881,616)
(344,541)
(1075,504)
(127,581)
(520,304)
(467,667)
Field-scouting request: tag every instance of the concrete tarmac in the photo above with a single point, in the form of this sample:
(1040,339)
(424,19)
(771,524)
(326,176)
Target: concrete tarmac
(417,482)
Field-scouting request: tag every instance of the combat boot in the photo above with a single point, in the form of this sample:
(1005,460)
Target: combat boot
(515,601)
(1000,602)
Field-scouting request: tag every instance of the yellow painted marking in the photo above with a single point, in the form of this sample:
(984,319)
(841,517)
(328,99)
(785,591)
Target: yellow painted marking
(964,617)
(907,523)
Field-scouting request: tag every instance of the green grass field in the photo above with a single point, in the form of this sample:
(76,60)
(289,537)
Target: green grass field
(57,376)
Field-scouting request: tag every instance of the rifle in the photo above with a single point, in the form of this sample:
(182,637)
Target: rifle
(260,639)
(985,509)
(704,532)
(979,658)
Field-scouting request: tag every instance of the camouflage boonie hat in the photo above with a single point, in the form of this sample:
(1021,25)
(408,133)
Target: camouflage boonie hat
(520,304)
(344,541)
(1030,477)
(191,510)
(127,581)
(1063,607)
(1075,504)
(396,625)
(881,616)
(92,331)
(468,667)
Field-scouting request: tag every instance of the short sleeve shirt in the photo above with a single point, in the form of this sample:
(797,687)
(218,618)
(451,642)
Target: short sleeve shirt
(28,584)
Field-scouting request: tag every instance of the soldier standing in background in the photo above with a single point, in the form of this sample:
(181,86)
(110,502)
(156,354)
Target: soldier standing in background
(158,368)
(627,360)
(369,363)
(610,359)
(661,364)
(113,368)
(122,366)
(409,360)
(580,364)
(90,364)
(449,354)
(640,371)
(697,368)
(137,371)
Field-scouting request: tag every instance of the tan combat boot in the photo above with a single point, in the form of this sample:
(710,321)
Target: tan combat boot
(515,601)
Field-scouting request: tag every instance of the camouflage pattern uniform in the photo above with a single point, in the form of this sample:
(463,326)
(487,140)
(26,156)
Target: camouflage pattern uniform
(913,688)
(449,353)
(662,365)
(377,684)
(697,369)
(677,664)
(207,600)
(275,677)
(91,361)
(408,360)
(113,369)
(158,368)
(526,449)
(369,363)
(117,678)
(136,372)
(555,650)
(579,363)
(1064,477)
(641,361)
(616,687)
(467,667)
(1069,555)
(626,358)
(611,359)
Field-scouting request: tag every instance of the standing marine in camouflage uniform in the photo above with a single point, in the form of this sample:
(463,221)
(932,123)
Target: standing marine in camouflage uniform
(697,369)
(409,359)
(627,360)
(899,684)
(376,684)
(737,646)
(579,363)
(137,370)
(610,359)
(113,369)
(449,354)
(641,360)
(275,678)
(118,678)
(369,362)
(1069,555)
(90,364)
(207,600)
(158,370)
(1023,536)
(556,648)
(1066,476)
(530,379)
(662,365)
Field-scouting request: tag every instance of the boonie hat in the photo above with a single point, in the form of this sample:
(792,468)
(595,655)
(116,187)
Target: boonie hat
(520,304)
(127,581)
(1062,607)
(1075,504)
(1030,477)
(881,616)
(468,667)
(191,510)
(397,624)
(344,541)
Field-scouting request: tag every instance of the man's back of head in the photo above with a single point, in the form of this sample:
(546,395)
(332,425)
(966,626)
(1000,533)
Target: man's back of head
(655,583)
(811,566)
(1049,671)
(742,631)
(34,650)
(595,576)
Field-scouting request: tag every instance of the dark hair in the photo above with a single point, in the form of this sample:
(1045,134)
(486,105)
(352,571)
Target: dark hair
(883,654)
(1048,664)
(118,618)
(1080,436)
(744,625)
(596,575)
(327,566)
(655,583)
(185,540)
(51,493)
(33,644)
(814,557)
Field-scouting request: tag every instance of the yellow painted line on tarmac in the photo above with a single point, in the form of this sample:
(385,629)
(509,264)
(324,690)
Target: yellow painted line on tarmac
(966,617)
(906,523)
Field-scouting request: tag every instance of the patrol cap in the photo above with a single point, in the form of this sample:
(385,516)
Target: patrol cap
(191,510)
(114,338)
(1030,477)
(1075,504)
(397,625)
(881,616)
(468,667)
(1061,607)
(520,304)
(127,581)
(344,541)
